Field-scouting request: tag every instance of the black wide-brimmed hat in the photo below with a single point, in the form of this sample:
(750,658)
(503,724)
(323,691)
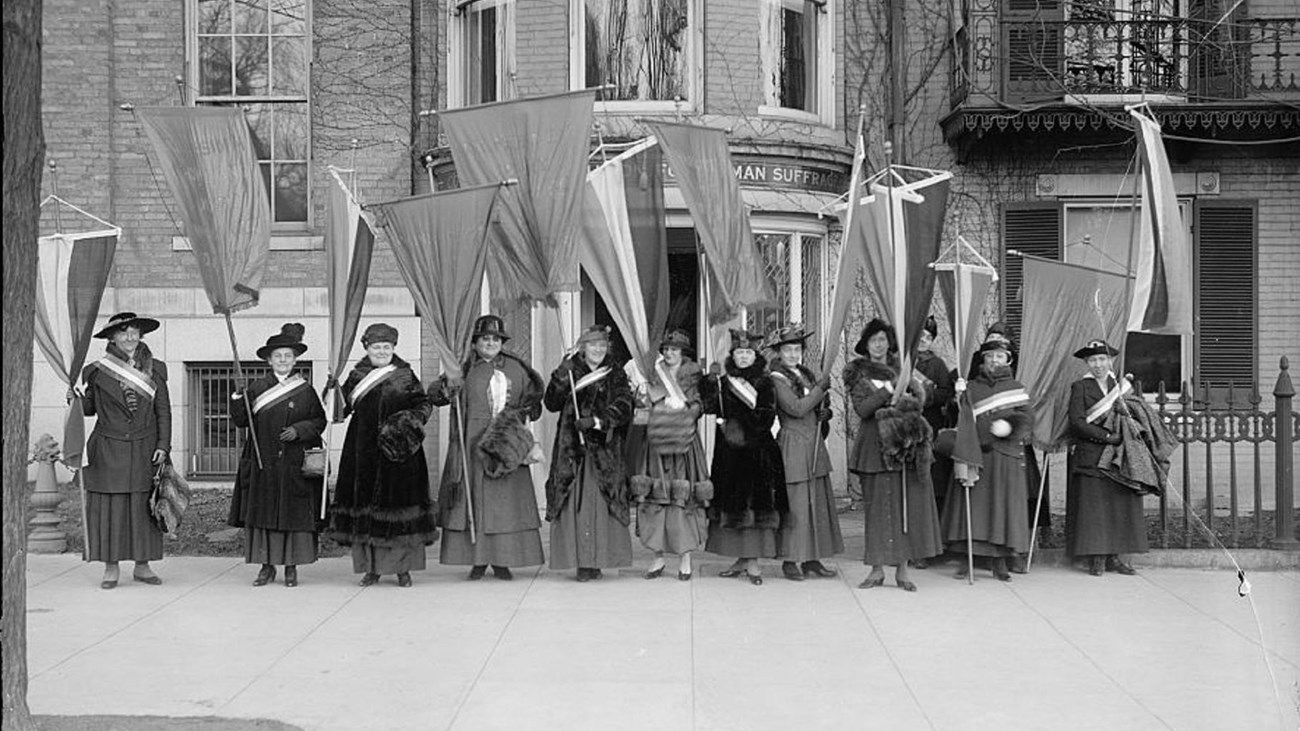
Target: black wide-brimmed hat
(742,340)
(489,325)
(792,333)
(876,325)
(1095,347)
(675,339)
(290,336)
(123,320)
(379,333)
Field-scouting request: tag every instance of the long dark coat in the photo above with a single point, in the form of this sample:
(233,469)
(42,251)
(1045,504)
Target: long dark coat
(748,473)
(277,496)
(1101,516)
(907,434)
(508,504)
(612,402)
(121,446)
(376,501)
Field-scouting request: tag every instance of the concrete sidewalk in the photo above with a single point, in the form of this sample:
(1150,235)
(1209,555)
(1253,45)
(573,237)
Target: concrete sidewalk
(1169,648)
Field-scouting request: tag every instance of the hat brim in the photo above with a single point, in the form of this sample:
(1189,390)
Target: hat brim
(802,340)
(265,351)
(146,325)
(1086,353)
(503,336)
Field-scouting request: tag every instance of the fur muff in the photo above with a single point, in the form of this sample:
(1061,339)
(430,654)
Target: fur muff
(505,444)
(904,433)
(401,436)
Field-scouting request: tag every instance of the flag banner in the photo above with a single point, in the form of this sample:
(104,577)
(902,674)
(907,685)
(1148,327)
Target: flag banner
(542,143)
(643,189)
(440,243)
(1162,293)
(349,248)
(701,164)
(207,157)
(846,278)
(1065,306)
(964,288)
(72,272)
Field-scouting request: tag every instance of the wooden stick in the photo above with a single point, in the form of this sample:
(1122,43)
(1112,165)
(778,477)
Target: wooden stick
(85,532)
(239,378)
(464,466)
(325,481)
(1038,509)
(970,542)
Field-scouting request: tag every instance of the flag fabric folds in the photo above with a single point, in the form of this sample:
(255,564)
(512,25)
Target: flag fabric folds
(207,157)
(542,143)
(440,242)
(846,278)
(1162,293)
(964,288)
(1065,306)
(72,272)
(349,248)
(701,163)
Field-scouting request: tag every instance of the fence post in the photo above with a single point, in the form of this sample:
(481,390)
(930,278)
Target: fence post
(1284,509)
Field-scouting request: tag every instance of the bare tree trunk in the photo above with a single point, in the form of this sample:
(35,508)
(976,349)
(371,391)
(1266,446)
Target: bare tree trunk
(24,151)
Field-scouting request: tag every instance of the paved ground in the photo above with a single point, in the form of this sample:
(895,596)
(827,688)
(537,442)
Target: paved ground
(1169,649)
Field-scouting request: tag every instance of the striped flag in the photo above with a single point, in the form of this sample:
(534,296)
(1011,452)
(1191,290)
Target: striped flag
(965,287)
(349,247)
(846,278)
(72,271)
(1162,295)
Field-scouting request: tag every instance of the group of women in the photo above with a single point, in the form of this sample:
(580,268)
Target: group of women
(627,454)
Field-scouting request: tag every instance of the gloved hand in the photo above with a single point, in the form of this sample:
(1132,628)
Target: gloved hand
(824,413)
(288,434)
(586,423)
(715,369)
(451,385)
(959,386)
(825,382)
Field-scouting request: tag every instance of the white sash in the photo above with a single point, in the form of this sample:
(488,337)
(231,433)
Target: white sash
(671,385)
(136,380)
(591,378)
(879,384)
(278,392)
(744,391)
(1100,408)
(372,379)
(1003,400)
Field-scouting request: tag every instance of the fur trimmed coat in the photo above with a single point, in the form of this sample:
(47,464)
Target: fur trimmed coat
(935,375)
(498,446)
(890,437)
(611,401)
(748,473)
(377,501)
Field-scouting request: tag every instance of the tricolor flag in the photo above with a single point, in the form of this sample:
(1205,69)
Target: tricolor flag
(72,271)
(846,278)
(964,288)
(1162,293)
(349,247)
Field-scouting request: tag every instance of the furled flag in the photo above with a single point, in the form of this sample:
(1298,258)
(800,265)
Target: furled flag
(1162,293)
(72,272)
(206,156)
(542,143)
(349,247)
(846,279)
(964,288)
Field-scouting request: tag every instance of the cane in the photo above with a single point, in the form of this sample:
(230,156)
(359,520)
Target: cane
(1038,510)
(970,542)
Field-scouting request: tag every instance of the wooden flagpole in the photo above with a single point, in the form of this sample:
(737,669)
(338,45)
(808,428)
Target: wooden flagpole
(243,382)
(1038,509)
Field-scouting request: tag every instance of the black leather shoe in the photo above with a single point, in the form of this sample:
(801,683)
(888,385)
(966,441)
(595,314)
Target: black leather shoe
(1018,564)
(477,572)
(404,579)
(817,569)
(108,584)
(150,580)
(290,576)
(596,574)
(790,570)
(871,582)
(502,572)
(369,579)
(265,576)
(583,575)
(735,570)
(1114,564)
(654,573)
(683,576)
(1000,569)
(1095,566)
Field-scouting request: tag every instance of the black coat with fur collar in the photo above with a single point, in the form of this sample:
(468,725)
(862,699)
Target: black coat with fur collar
(890,437)
(747,471)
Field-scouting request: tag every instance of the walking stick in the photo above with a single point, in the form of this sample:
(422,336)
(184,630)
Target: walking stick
(325,483)
(239,378)
(85,533)
(1038,510)
(903,485)
(970,542)
(464,467)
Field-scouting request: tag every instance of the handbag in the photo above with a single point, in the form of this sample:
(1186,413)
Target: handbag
(313,462)
(169,498)
(671,432)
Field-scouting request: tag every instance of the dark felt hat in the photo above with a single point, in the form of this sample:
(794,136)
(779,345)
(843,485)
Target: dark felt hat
(876,325)
(379,333)
(675,339)
(594,333)
(792,333)
(124,320)
(290,336)
(1095,347)
(489,325)
(741,340)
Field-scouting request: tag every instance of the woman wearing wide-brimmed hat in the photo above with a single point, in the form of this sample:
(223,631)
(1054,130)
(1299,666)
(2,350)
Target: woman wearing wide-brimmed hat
(1103,518)
(891,454)
(381,503)
(495,398)
(587,499)
(670,481)
(749,498)
(127,390)
(275,503)
(810,530)
(1004,421)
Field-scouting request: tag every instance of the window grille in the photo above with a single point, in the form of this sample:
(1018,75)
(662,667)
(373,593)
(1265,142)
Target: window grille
(216,443)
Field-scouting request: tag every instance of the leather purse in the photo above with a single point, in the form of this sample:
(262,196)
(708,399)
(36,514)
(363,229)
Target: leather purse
(313,462)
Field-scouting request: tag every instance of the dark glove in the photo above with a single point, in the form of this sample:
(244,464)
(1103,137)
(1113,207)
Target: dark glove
(586,423)
(825,382)
(824,413)
(1114,438)
(451,385)
(715,369)
(330,382)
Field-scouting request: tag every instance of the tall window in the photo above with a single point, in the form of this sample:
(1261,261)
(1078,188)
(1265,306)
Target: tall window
(647,52)
(795,264)
(794,55)
(256,54)
(482,53)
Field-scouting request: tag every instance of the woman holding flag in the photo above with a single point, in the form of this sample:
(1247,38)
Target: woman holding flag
(274,502)
(127,390)
(381,503)
(891,457)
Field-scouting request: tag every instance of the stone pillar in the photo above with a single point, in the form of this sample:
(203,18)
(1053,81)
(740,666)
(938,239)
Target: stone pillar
(46,536)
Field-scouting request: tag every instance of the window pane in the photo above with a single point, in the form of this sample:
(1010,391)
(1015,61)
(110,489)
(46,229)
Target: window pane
(214,66)
(265,170)
(290,204)
(289,66)
(251,66)
(775,250)
(812,289)
(788,53)
(250,16)
(642,50)
(481,55)
(214,16)
(289,17)
(258,117)
(291,136)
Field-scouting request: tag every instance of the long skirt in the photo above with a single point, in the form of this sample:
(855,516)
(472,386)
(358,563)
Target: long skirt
(118,527)
(1103,517)
(521,548)
(280,548)
(811,530)
(584,534)
(369,558)
(999,525)
(742,542)
(882,509)
(667,528)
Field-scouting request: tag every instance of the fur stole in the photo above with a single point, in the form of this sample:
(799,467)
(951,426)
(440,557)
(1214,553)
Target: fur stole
(752,374)
(801,377)
(905,435)
(402,435)
(143,359)
(506,443)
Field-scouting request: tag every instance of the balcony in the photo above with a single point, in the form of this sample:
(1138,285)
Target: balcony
(1236,80)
